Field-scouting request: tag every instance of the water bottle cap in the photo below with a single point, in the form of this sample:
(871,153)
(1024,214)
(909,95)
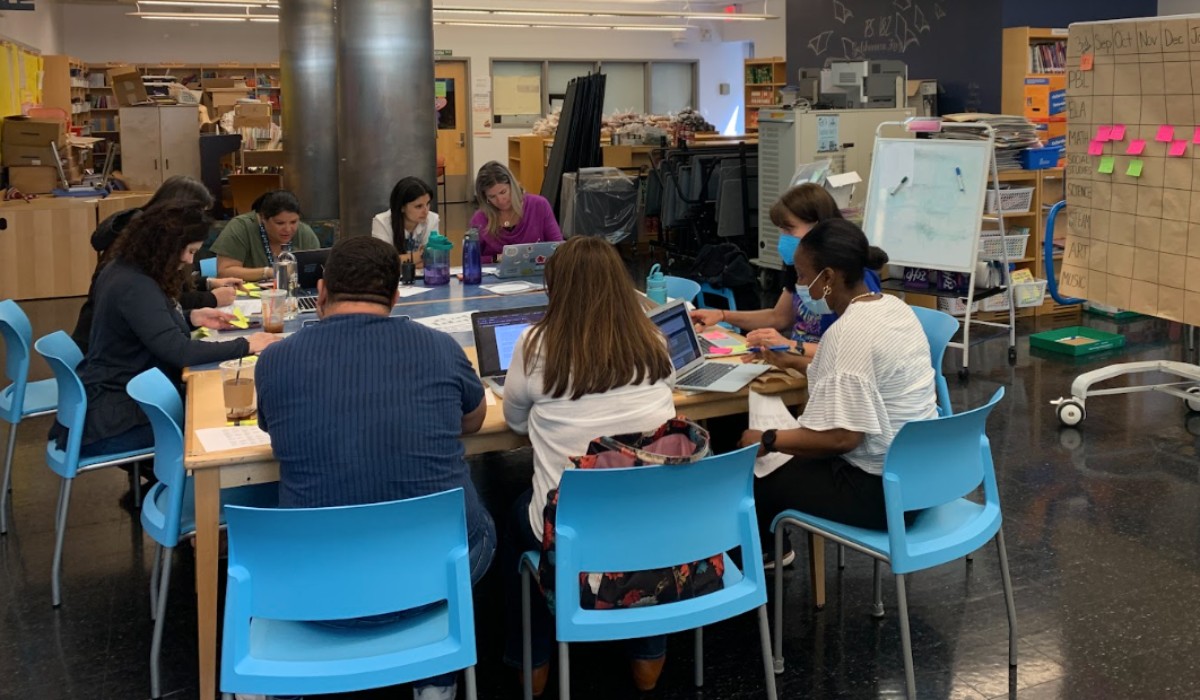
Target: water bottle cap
(438,242)
(656,273)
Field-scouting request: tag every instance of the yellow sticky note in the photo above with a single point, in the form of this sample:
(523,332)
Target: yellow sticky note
(1135,168)
(244,421)
(252,294)
(250,286)
(1107,163)
(239,320)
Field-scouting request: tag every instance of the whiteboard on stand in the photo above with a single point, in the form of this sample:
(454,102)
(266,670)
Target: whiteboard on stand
(925,203)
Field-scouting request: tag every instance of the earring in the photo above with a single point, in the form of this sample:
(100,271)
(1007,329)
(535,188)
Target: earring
(827,291)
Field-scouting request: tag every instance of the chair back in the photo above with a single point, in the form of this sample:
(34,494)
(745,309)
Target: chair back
(160,401)
(682,288)
(351,561)
(726,292)
(939,328)
(208,267)
(246,188)
(64,356)
(18,336)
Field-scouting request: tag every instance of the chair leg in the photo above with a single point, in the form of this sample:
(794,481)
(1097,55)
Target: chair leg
(779,599)
(841,556)
(136,484)
(154,571)
(159,621)
(526,636)
(564,671)
(1008,598)
(816,569)
(469,674)
(699,672)
(6,486)
(905,639)
(764,635)
(877,605)
(60,531)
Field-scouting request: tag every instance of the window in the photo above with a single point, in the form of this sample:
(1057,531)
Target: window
(657,87)
(559,73)
(625,88)
(517,92)
(671,87)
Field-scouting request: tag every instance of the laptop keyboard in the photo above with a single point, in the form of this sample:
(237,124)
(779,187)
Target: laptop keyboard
(307,303)
(706,345)
(706,374)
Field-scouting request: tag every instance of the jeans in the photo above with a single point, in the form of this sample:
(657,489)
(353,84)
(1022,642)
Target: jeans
(520,540)
(139,438)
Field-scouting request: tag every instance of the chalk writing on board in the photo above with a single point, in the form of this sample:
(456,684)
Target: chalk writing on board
(851,48)
(885,26)
(938,12)
(869,29)
(840,12)
(919,20)
(820,43)
(903,4)
(904,34)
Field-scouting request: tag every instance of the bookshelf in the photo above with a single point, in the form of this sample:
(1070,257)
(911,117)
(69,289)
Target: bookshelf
(526,160)
(764,77)
(1018,47)
(64,86)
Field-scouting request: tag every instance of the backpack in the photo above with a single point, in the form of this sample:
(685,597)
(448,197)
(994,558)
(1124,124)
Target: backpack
(726,265)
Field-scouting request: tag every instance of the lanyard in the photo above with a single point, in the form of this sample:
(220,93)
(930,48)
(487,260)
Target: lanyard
(262,232)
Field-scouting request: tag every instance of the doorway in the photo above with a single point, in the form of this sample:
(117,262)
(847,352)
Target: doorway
(455,187)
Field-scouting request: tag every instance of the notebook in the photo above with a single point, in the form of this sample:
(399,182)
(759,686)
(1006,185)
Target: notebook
(310,267)
(496,334)
(525,259)
(692,371)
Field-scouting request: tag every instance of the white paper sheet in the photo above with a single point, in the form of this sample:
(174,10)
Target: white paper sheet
(768,412)
(448,323)
(413,290)
(489,395)
(221,439)
(518,287)
(250,307)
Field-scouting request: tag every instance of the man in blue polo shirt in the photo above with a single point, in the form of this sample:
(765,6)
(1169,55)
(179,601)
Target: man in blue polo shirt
(364,408)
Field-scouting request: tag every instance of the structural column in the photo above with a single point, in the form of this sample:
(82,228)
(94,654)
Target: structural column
(386,124)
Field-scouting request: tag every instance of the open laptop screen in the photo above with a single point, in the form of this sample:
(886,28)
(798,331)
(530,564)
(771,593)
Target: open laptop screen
(675,323)
(496,334)
(310,267)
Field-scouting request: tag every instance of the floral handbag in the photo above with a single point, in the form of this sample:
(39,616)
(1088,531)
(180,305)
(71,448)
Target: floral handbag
(678,441)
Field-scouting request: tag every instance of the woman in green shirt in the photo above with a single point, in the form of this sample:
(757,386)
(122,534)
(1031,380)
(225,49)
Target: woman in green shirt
(250,243)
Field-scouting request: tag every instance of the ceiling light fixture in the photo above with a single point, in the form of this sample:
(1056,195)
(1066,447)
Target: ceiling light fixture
(609,12)
(558,25)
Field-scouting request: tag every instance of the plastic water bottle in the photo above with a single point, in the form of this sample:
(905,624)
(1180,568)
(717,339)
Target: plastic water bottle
(287,278)
(472,259)
(656,285)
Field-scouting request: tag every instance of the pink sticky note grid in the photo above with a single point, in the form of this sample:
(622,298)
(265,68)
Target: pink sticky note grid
(1196,135)
(1136,147)
(1177,148)
(1117,133)
(1096,148)
(1104,133)
(1166,133)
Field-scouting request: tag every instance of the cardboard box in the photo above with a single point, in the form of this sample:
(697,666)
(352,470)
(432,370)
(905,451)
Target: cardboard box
(222,100)
(27,155)
(1046,98)
(252,115)
(128,87)
(33,179)
(23,131)
(221,83)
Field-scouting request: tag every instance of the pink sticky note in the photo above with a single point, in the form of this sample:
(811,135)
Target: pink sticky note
(1166,133)
(720,351)
(714,335)
(1177,148)
(1136,147)
(1096,148)
(1117,133)
(1196,135)
(1104,133)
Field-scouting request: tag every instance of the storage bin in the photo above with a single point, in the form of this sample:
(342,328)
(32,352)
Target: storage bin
(1013,200)
(992,247)
(1040,158)
(1076,341)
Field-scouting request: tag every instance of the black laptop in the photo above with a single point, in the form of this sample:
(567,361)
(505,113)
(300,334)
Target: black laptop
(310,267)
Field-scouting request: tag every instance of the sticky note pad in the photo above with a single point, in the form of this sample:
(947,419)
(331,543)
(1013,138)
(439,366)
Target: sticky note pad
(1196,135)
(1103,133)
(1166,133)
(1117,133)
(1135,168)
(1177,148)
(714,335)
(1095,148)
(1086,61)
(250,287)
(1107,163)
(720,351)
(1136,147)
(239,319)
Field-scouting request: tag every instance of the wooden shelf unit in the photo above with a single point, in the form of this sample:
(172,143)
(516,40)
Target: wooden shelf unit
(64,86)
(526,160)
(763,79)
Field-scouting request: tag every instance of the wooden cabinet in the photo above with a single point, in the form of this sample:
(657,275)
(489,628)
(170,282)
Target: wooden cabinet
(65,87)
(526,160)
(157,143)
(45,248)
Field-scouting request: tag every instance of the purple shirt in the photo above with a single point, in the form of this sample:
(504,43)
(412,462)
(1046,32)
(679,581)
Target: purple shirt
(537,224)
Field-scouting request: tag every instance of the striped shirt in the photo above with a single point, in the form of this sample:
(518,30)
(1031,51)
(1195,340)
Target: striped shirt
(364,409)
(871,376)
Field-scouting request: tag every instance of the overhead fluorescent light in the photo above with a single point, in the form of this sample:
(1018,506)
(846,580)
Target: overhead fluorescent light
(198,18)
(608,12)
(204,3)
(558,25)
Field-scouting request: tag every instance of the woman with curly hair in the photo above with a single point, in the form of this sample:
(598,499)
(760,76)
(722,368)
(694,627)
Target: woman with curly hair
(138,324)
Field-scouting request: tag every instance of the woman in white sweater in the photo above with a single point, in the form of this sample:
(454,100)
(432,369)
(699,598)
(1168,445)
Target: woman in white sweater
(409,203)
(593,366)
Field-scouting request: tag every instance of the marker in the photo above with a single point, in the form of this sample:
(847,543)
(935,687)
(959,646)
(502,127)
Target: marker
(772,348)
(903,181)
(958,173)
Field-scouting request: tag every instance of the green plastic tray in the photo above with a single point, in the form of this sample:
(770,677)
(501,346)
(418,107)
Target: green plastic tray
(1053,341)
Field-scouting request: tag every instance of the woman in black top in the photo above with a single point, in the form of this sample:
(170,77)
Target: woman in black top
(138,324)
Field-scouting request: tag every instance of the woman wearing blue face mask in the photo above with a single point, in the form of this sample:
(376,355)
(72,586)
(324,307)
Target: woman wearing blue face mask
(871,377)
(791,322)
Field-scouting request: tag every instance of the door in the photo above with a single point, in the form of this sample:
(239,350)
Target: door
(140,151)
(180,128)
(456,184)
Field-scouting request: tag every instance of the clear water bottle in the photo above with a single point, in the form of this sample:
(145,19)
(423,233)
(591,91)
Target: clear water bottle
(287,278)
(472,260)
(656,285)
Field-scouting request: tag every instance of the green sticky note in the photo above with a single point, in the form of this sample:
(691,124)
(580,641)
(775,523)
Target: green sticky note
(1107,163)
(1135,168)
(439,88)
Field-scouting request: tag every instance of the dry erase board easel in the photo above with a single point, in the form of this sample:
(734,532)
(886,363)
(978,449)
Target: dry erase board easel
(925,201)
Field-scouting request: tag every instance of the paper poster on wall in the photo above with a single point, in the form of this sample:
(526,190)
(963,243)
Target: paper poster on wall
(518,94)
(481,107)
(827,133)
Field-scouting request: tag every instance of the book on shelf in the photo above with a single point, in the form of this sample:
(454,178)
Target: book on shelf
(1048,57)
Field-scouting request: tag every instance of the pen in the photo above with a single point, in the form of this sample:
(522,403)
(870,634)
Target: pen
(896,189)
(958,173)
(773,348)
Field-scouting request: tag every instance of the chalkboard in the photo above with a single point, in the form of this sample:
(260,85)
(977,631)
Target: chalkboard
(925,201)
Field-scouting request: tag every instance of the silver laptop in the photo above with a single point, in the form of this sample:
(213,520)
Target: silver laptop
(692,371)
(496,334)
(525,259)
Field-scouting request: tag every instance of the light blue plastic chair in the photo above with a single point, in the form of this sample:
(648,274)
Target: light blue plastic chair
(730,301)
(63,356)
(682,288)
(947,527)
(168,513)
(939,328)
(694,511)
(291,566)
(208,267)
(22,398)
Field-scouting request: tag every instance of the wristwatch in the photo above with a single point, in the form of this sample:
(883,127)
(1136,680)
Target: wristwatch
(768,440)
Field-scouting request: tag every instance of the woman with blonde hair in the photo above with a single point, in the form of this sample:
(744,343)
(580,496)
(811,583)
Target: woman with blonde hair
(593,366)
(507,214)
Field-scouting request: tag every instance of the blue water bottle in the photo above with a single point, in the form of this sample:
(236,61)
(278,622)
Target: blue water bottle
(656,285)
(472,261)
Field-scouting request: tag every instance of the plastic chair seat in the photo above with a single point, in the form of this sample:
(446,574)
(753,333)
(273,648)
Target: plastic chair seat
(40,397)
(56,459)
(156,506)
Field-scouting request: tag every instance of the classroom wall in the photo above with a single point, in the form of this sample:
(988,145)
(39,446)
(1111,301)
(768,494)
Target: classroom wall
(769,38)
(1178,7)
(40,28)
(1060,13)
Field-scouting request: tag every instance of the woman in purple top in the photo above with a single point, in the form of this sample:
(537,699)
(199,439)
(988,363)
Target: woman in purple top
(507,215)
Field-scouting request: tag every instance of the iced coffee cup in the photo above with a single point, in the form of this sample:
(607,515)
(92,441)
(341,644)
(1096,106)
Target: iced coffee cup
(274,309)
(237,384)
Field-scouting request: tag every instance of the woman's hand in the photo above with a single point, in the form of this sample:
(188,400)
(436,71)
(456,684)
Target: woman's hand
(259,341)
(752,437)
(703,318)
(225,295)
(211,318)
(767,338)
(782,360)
(215,283)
